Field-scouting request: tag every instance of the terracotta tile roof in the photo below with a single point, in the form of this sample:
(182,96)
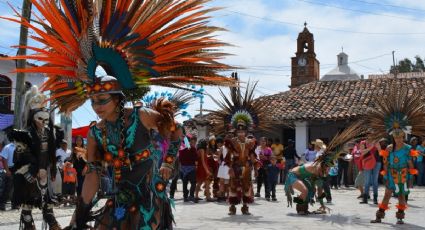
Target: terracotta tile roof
(331,100)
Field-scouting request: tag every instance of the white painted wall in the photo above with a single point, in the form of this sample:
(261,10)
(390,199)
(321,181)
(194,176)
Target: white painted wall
(7,68)
(301,136)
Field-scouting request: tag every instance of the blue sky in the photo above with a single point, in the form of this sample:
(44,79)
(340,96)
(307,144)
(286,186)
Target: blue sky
(264,34)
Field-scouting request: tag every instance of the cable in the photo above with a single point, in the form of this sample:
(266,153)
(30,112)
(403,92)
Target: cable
(355,10)
(323,28)
(388,5)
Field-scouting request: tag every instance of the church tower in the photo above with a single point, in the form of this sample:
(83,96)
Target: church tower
(305,66)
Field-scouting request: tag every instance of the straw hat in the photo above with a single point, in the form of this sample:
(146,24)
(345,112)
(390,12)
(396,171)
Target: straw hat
(319,143)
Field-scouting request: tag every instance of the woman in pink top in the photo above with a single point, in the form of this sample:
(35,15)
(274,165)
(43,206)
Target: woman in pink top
(263,154)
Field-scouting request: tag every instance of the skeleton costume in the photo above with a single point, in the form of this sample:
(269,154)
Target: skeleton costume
(243,113)
(35,162)
(400,113)
(138,43)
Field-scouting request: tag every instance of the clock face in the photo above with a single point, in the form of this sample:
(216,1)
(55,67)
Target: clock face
(302,61)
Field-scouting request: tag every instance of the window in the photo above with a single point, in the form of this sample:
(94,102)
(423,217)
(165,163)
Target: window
(5,94)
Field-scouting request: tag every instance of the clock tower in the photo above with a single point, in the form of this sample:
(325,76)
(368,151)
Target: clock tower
(305,66)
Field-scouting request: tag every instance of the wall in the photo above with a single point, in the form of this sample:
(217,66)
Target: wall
(7,67)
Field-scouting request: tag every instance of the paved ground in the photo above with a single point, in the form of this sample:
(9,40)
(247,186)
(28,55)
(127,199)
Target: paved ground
(346,213)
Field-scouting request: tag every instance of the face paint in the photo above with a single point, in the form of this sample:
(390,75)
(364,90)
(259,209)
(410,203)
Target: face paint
(101,101)
(41,119)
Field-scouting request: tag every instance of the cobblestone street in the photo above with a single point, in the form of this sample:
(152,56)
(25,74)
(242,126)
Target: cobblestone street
(346,213)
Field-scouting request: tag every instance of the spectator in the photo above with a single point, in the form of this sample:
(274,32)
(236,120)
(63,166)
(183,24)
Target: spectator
(69,181)
(333,176)
(263,153)
(188,158)
(62,153)
(8,169)
(371,167)
(272,176)
(310,153)
(359,181)
(203,171)
(277,149)
(212,159)
(420,164)
(223,170)
(79,163)
(343,164)
(289,153)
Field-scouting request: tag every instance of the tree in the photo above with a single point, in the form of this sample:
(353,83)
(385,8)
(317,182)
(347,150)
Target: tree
(406,66)
(419,65)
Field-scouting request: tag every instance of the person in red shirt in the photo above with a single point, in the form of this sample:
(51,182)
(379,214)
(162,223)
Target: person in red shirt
(188,158)
(69,181)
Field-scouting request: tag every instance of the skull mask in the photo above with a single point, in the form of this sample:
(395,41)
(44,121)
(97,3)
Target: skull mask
(41,119)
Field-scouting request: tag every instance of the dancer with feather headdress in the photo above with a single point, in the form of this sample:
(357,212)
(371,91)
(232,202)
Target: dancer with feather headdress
(138,43)
(399,114)
(239,115)
(306,178)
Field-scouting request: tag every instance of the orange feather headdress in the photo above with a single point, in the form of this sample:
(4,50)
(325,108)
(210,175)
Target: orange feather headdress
(139,42)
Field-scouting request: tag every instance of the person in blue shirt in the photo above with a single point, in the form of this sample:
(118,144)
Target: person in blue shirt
(6,156)
(273,173)
(333,176)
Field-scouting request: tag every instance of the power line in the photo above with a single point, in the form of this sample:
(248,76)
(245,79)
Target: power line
(356,10)
(323,28)
(388,5)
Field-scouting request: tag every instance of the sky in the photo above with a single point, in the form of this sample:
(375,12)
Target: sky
(264,32)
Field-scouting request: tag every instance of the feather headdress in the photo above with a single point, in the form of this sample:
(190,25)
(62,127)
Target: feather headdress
(400,112)
(239,111)
(139,42)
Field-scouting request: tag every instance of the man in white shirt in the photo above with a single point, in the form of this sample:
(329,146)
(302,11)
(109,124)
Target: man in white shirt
(7,165)
(62,153)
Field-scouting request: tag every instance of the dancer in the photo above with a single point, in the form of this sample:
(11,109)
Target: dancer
(240,114)
(35,162)
(308,178)
(398,115)
(136,44)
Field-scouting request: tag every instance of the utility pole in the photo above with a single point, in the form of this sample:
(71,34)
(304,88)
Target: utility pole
(20,64)
(395,67)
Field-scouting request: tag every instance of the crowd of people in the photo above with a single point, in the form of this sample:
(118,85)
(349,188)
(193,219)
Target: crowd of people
(68,180)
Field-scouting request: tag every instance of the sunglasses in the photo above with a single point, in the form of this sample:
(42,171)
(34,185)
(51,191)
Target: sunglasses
(101,101)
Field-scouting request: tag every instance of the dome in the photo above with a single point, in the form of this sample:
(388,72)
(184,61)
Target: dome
(342,72)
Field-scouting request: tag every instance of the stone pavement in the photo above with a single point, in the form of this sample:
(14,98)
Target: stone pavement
(346,213)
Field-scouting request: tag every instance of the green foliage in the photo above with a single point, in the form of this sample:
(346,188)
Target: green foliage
(406,65)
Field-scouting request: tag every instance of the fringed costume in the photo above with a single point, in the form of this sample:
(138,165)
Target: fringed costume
(138,43)
(400,113)
(311,176)
(35,162)
(240,114)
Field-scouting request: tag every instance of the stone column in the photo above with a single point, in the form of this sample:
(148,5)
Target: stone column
(301,136)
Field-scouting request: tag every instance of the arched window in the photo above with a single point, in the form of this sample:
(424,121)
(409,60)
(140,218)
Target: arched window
(5,94)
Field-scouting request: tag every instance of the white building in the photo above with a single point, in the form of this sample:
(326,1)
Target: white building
(7,89)
(342,72)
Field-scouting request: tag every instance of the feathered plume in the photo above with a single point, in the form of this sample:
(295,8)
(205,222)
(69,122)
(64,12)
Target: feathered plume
(239,107)
(399,109)
(139,42)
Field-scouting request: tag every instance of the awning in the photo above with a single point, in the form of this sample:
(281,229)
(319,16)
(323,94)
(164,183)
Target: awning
(81,131)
